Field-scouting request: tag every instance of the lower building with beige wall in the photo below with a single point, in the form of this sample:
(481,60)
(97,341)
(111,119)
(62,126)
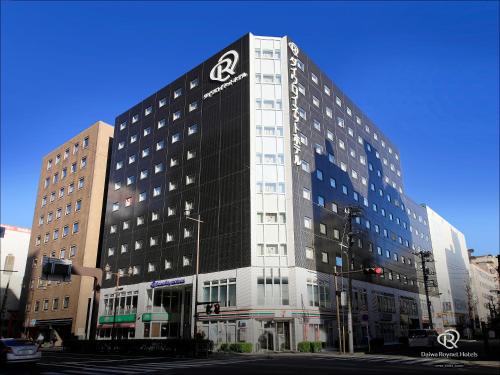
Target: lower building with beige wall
(66,225)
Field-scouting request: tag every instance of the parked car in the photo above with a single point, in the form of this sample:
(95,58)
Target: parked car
(19,351)
(422,338)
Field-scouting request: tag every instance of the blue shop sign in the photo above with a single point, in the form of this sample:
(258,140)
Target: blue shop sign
(158,283)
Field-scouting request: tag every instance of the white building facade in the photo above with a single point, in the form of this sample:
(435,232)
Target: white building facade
(452,268)
(14,244)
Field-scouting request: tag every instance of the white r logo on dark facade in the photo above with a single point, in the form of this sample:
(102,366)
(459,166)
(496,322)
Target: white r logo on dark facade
(224,69)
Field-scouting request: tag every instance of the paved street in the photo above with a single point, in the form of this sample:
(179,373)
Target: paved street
(322,363)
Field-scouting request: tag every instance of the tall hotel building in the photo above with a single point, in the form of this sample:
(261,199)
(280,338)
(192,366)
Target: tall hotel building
(67,225)
(268,151)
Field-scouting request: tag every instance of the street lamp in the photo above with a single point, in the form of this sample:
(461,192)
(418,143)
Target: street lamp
(198,220)
(130,271)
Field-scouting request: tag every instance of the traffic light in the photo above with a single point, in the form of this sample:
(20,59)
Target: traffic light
(209,309)
(217,308)
(373,271)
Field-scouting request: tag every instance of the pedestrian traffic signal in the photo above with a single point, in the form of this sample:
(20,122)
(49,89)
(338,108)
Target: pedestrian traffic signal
(373,271)
(217,308)
(209,309)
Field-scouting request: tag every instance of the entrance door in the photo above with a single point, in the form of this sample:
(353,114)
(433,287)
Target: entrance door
(283,336)
(269,333)
(266,336)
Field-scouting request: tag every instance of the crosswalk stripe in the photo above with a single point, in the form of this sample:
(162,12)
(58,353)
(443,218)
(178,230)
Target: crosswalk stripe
(88,371)
(375,359)
(139,367)
(107,370)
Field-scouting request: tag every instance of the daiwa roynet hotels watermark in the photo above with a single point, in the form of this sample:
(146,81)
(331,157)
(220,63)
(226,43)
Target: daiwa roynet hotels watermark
(449,340)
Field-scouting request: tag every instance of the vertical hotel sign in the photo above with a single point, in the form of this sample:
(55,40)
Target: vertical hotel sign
(294,88)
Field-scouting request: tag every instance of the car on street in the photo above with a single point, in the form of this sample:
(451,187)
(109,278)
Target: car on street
(422,338)
(19,351)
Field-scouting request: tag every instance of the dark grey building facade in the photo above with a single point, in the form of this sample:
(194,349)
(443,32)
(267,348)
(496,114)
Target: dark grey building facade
(268,151)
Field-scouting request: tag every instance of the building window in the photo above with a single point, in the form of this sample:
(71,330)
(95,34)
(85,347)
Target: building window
(223,290)
(116,206)
(272,287)
(321,201)
(153,241)
(186,261)
(193,106)
(322,228)
(140,220)
(309,253)
(76,227)
(192,129)
(315,101)
(319,174)
(177,93)
(176,138)
(123,248)
(156,191)
(161,123)
(306,193)
(194,83)
(130,180)
(78,205)
(160,145)
(142,196)
(158,168)
(307,222)
(75,148)
(324,257)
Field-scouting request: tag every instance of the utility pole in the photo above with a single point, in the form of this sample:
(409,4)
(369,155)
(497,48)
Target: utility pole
(351,212)
(424,255)
(198,220)
(337,301)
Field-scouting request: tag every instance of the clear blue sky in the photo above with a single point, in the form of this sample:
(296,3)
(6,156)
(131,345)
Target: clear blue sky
(426,73)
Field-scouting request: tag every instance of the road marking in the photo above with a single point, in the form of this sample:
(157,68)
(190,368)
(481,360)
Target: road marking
(92,370)
(142,367)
